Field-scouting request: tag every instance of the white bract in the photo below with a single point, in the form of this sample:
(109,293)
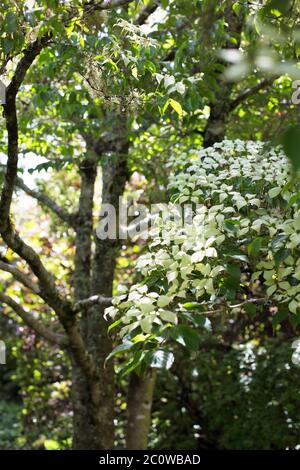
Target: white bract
(241,242)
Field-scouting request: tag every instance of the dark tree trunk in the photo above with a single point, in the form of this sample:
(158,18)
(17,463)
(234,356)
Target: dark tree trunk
(92,424)
(220,108)
(139,404)
(219,112)
(93,405)
(94,415)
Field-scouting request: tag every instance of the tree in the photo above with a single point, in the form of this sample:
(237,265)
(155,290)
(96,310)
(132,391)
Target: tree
(92,390)
(99,92)
(221,248)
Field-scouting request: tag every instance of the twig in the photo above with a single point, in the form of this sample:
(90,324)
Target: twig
(35,324)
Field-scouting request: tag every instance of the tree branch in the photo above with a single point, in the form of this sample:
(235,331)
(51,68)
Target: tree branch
(48,202)
(19,276)
(10,114)
(250,92)
(258,301)
(107,4)
(48,289)
(93,300)
(146,12)
(29,55)
(35,324)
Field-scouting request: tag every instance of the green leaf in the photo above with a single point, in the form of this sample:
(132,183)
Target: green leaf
(7,45)
(293,306)
(112,63)
(186,336)
(279,317)
(37,375)
(70,28)
(295,320)
(120,349)
(294,198)
(234,271)
(11,23)
(113,325)
(169,316)
(279,5)
(276,242)
(191,306)
(274,192)
(237,8)
(140,338)
(165,107)
(250,309)
(231,224)
(146,325)
(81,42)
(177,107)
(163,300)
(133,364)
(281,255)
(196,319)
(291,145)
(255,246)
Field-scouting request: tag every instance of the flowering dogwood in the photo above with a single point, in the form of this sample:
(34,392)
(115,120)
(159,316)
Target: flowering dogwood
(238,252)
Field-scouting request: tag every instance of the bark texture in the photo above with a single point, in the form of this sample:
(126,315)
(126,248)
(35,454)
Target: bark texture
(94,421)
(85,331)
(139,405)
(220,108)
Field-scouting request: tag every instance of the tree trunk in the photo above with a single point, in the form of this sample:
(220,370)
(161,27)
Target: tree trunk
(139,404)
(93,421)
(92,424)
(215,128)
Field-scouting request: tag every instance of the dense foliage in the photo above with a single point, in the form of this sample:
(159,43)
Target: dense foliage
(228,242)
(191,105)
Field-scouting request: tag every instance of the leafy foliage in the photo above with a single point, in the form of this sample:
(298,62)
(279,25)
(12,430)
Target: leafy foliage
(239,247)
(234,273)
(244,397)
